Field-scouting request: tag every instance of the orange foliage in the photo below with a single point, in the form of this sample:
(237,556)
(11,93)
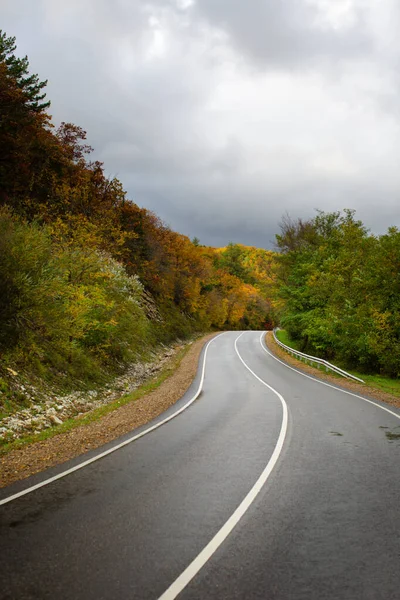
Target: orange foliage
(47,176)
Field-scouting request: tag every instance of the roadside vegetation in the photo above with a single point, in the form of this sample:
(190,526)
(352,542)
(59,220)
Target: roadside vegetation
(387,384)
(90,282)
(285,338)
(9,443)
(339,288)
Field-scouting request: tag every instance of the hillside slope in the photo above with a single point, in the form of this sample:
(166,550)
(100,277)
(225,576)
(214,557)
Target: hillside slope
(92,283)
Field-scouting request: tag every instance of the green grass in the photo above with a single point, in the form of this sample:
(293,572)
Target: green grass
(386,384)
(11,402)
(283,337)
(98,413)
(378,382)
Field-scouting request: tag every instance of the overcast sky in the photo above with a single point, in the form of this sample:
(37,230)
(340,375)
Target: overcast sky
(221,115)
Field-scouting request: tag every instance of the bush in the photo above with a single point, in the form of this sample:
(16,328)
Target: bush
(66,308)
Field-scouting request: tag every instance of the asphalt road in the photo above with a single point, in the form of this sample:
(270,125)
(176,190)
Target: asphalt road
(315,474)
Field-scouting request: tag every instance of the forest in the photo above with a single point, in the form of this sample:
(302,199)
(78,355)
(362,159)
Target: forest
(89,280)
(339,290)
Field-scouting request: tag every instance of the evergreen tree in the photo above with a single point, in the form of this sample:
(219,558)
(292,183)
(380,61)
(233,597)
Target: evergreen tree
(18,69)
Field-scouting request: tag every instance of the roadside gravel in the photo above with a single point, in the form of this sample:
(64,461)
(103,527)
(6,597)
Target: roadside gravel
(48,408)
(33,458)
(352,386)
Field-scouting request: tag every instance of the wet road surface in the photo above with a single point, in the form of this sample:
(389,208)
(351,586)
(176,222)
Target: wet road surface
(323,525)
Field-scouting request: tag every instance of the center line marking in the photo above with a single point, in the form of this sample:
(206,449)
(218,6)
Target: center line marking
(194,567)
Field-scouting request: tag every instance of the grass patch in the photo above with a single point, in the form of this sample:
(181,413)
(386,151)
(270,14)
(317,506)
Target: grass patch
(97,413)
(379,382)
(283,337)
(11,402)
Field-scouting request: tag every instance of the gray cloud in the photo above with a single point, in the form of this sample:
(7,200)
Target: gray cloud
(222,115)
(289,33)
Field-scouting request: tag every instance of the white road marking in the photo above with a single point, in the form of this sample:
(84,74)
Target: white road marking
(191,570)
(324,382)
(118,446)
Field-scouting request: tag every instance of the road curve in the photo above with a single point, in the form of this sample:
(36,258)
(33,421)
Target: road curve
(315,470)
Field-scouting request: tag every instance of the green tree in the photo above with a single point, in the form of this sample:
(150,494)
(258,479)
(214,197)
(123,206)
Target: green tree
(340,290)
(18,69)
(231,260)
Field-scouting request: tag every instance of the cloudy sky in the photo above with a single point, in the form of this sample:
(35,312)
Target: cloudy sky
(221,115)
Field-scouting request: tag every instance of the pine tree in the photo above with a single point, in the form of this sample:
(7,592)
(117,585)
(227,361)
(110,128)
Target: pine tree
(18,69)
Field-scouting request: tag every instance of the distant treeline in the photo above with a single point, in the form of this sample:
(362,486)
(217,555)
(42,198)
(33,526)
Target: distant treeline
(340,290)
(89,281)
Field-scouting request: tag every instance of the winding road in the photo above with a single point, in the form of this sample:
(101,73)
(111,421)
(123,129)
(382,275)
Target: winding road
(269,484)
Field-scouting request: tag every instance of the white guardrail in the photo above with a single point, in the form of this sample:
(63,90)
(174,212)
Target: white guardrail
(313,359)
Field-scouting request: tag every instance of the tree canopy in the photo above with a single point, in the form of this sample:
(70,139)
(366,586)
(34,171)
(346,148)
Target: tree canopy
(18,70)
(339,285)
(88,276)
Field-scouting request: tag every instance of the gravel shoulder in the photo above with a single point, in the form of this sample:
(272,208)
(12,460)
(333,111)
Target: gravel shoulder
(33,458)
(352,386)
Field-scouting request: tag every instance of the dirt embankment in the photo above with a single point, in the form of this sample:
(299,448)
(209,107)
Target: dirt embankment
(33,458)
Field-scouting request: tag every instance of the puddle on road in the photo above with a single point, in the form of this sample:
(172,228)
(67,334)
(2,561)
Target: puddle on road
(391,435)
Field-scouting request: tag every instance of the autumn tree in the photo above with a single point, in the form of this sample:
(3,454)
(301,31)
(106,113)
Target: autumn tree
(80,264)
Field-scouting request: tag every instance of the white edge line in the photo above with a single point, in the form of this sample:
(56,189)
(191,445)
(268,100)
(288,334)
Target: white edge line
(194,567)
(118,446)
(324,382)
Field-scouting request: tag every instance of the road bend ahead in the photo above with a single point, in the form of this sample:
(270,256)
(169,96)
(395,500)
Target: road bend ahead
(270,485)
